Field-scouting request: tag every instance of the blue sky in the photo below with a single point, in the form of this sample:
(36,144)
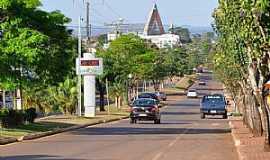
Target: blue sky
(179,12)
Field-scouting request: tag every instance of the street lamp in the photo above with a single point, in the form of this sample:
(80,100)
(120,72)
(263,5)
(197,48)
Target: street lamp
(130,76)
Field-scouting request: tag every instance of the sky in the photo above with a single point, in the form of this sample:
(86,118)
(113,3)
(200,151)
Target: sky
(178,12)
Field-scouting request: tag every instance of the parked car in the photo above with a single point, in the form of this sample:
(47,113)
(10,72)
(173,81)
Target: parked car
(145,109)
(161,96)
(213,105)
(192,93)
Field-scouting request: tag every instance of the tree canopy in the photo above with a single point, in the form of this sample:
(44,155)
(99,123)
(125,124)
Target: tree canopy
(36,46)
(241,57)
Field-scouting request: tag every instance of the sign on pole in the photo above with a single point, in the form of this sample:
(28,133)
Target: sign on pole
(89,66)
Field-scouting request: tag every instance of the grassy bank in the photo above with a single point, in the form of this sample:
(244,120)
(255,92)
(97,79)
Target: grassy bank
(61,121)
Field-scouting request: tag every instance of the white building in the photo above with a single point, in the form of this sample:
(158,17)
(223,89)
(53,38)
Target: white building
(153,32)
(164,40)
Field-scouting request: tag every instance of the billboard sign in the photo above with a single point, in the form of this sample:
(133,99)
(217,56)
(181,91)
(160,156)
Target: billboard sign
(89,66)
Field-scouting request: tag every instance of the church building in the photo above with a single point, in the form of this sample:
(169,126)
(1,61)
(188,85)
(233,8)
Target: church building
(154,31)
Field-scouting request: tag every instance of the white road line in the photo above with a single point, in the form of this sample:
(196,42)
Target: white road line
(158,156)
(170,145)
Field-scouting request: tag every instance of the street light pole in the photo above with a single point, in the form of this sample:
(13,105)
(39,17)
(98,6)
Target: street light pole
(79,112)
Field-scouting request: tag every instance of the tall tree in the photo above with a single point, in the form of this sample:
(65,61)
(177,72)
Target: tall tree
(36,47)
(183,33)
(243,57)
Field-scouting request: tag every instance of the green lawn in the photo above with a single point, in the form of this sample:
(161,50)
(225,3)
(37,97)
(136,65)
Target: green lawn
(61,121)
(30,128)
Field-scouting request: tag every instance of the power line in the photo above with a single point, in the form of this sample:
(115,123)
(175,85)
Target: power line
(97,13)
(93,27)
(112,10)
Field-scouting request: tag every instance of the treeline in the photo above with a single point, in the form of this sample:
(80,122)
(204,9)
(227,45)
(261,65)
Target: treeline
(37,56)
(241,59)
(130,60)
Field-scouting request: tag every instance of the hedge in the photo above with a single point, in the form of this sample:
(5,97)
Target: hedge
(12,118)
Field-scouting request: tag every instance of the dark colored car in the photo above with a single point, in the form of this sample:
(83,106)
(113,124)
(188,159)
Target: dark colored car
(202,83)
(148,95)
(213,105)
(145,109)
(161,96)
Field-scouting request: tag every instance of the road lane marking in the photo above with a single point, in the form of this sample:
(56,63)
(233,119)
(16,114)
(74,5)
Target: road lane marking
(170,145)
(158,156)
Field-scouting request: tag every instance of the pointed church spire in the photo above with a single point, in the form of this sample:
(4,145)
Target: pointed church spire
(154,24)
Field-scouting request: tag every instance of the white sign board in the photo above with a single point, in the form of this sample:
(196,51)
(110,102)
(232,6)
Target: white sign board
(89,66)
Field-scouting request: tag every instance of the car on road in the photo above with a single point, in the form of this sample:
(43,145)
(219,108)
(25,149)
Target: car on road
(192,93)
(161,96)
(148,95)
(202,83)
(213,105)
(145,109)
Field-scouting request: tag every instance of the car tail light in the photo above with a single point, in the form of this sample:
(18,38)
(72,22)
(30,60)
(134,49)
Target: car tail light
(131,109)
(154,109)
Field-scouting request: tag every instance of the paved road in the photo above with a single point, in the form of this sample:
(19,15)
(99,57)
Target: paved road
(181,136)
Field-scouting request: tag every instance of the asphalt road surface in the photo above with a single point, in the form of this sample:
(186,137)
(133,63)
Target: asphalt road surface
(181,136)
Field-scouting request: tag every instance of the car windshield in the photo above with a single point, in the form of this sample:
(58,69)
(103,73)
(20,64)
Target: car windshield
(144,102)
(192,90)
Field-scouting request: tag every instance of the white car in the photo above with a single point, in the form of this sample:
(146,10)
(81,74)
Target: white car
(192,93)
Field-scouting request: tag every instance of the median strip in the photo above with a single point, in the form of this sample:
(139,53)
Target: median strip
(55,125)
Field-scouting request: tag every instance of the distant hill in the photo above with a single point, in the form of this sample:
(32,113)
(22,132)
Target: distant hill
(138,27)
(199,29)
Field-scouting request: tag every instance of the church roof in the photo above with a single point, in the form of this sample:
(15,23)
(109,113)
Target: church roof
(154,24)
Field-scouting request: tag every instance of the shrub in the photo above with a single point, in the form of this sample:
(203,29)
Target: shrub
(190,81)
(11,118)
(30,115)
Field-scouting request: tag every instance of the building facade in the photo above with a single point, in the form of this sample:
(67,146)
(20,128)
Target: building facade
(153,32)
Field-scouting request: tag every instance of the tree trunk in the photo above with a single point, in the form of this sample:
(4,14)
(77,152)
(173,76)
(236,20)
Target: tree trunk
(101,90)
(102,99)
(116,101)
(4,99)
(257,121)
(156,85)
(120,102)
(265,109)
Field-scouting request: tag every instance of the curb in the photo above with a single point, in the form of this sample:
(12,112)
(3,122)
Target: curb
(57,131)
(8,141)
(237,142)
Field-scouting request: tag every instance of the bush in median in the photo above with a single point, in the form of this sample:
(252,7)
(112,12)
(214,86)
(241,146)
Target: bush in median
(12,118)
(30,115)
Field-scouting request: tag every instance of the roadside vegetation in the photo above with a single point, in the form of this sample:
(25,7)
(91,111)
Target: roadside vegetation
(241,59)
(37,62)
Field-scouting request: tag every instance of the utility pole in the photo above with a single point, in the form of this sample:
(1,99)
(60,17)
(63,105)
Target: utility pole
(79,112)
(88,25)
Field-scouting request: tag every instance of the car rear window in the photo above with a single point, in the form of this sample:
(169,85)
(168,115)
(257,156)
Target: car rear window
(144,102)
(213,99)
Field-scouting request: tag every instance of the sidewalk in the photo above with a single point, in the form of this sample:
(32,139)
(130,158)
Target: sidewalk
(248,146)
